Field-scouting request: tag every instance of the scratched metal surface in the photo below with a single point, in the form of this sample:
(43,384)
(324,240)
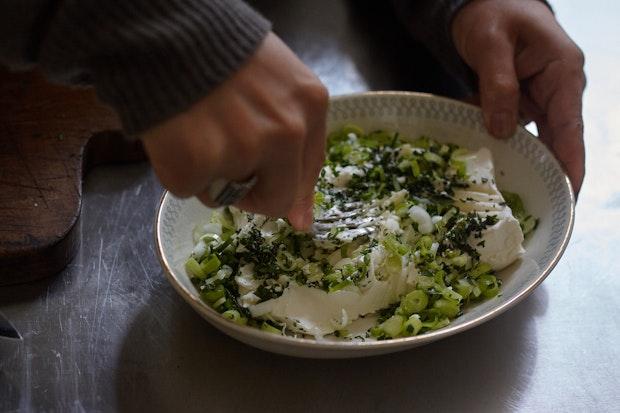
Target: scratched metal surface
(110,334)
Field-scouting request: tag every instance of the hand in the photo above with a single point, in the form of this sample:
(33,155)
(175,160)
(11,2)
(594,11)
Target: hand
(527,65)
(267,120)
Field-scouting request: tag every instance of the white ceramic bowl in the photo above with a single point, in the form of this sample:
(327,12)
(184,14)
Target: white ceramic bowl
(523,165)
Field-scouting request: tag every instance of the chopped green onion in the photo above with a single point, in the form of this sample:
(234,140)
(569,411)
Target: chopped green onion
(376,331)
(395,247)
(488,284)
(458,153)
(210,264)
(463,287)
(268,328)
(415,168)
(193,267)
(354,129)
(319,198)
(463,260)
(459,166)
(219,302)
(515,203)
(339,286)
(412,326)
(528,224)
(393,325)
(214,295)
(422,142)
(481,268)
(394,265)
(414,302)
(433,157)
(449,308)
(235,317)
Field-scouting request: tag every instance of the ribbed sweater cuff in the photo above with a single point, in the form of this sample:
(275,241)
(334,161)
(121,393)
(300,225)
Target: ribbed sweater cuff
(152,59)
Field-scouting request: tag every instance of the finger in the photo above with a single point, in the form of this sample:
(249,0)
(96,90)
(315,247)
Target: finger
(301,215)
(529,111)
(183,159)
(271,154)
(499,87)
(526,107)
(278,177)
(562,130)
(205,198)
(313,155)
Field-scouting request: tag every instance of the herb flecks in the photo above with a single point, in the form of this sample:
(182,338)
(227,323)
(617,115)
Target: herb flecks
(261,253)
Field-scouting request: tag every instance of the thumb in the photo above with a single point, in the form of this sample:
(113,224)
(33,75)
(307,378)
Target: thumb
(499,87)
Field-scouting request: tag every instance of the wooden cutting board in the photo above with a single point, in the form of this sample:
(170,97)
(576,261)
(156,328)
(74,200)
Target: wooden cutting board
(50,136)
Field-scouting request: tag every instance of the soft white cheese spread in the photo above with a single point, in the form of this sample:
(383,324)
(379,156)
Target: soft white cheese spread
(502,242)
(317,312)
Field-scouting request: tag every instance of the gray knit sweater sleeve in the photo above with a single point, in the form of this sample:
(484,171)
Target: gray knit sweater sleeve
(149,59)
(430,23)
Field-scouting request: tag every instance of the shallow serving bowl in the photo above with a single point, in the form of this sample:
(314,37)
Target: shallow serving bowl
(522,165)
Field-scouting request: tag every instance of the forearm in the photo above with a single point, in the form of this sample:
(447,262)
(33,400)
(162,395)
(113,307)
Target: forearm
(149,60)
(429,21)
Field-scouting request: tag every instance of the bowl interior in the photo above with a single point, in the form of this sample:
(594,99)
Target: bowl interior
(523,165)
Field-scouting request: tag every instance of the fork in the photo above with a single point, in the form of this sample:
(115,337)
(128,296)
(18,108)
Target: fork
(352,220)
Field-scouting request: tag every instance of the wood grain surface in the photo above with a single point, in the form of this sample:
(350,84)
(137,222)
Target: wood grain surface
(50,136)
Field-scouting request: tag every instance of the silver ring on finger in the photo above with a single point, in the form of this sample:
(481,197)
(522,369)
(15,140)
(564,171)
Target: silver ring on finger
(224,192)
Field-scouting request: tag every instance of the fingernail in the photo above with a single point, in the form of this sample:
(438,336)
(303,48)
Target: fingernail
(308,218)
(301,218)
(296,222)
(501,124)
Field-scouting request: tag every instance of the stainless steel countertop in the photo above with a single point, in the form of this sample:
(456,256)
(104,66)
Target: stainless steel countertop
(110,334)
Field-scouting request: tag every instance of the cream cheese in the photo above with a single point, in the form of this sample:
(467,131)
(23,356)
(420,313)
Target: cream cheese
(317,312)
(502,242)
